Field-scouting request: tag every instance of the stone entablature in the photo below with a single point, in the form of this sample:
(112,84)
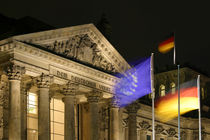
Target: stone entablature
(46,62)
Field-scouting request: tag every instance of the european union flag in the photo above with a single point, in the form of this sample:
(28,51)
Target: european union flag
(135,83)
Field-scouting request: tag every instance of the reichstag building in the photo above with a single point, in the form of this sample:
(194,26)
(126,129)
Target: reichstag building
(59,85)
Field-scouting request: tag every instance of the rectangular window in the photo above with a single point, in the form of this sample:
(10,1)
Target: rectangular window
(57,119)
(32,116)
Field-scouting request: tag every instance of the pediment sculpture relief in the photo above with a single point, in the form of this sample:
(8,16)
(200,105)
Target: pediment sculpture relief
(82,48)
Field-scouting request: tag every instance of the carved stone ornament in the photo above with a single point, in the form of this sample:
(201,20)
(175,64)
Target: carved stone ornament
(125,122)
(144,125)
(2,89)
(82,48)
(14,72)
(70,88)
(93,96)
(159,129)
(171,132)
(44,81)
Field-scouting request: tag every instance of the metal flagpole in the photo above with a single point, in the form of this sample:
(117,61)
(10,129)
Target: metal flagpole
(178,106)
(153,96)
(199,106)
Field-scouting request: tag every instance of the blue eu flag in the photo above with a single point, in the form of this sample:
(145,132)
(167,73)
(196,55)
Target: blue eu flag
(135,83)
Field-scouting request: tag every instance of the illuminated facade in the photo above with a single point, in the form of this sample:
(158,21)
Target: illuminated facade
(58,85)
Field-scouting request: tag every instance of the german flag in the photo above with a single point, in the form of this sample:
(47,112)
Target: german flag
(167,106)
(166,45)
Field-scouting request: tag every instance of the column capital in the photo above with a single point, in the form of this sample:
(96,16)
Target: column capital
(114,102)
(133,108)
(70,88)
(14,72)
(94,96)
(44,81)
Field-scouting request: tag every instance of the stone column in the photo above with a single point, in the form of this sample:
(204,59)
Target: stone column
(93,99)
(14,76)
(132,128)
(69,101)
(114,120)
(23,113)
(43,83)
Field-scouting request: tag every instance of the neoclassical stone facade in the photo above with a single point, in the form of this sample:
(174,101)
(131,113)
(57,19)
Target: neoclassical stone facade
(58,85)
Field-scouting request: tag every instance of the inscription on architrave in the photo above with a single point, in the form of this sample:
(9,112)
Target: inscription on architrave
(66,75)
(82,48)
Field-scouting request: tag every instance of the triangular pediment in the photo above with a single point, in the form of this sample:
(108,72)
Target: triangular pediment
(82,43)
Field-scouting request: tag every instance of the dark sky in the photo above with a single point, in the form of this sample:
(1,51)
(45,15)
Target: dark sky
(137,25)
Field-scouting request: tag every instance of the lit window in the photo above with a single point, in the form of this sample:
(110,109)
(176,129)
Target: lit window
(202,94)
(162,90)
(32,103)
(173,88)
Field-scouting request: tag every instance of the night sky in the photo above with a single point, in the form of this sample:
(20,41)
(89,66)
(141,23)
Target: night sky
(137,25)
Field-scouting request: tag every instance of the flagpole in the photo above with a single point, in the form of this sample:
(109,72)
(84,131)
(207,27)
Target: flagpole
(153,96)
(174,50)
(178,105)
(199,105)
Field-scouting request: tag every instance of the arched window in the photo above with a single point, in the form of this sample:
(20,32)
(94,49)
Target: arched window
(162,91)
(173,87)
